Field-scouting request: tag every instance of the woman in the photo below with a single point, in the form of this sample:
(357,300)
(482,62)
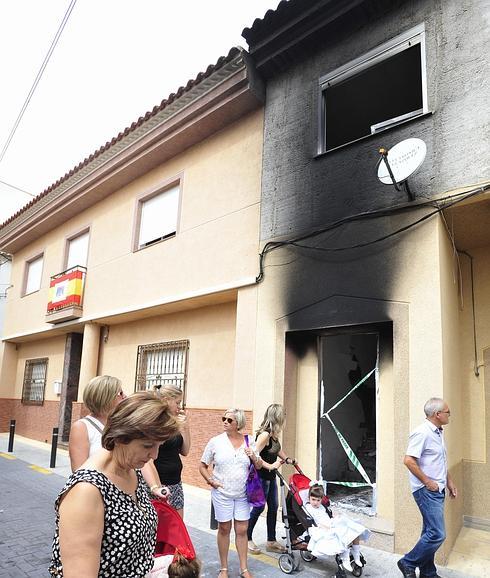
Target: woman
(167,468)
(100,396)
(269,448)
(230,457)
(105,523)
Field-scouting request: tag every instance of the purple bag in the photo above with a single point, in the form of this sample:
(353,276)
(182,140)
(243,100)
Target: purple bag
(254,489)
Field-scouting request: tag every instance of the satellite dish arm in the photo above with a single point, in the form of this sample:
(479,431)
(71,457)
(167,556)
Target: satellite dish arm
(384,158)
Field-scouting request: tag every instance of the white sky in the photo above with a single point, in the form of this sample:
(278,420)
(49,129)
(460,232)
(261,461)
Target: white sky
(115,60)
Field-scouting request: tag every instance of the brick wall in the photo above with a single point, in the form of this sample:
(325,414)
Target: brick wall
(32,421)
(204,424)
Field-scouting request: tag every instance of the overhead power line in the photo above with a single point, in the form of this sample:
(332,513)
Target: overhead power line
(38,77)
(16,188)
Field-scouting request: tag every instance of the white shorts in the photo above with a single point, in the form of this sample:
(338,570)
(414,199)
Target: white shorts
(226,509)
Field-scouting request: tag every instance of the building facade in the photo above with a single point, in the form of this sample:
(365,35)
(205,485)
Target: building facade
(374,297)
(141,263)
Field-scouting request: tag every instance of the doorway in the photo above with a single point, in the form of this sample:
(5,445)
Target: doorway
(348,408)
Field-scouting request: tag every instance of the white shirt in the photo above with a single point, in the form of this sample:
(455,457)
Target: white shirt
(230,465)
(94,435)
(426,444)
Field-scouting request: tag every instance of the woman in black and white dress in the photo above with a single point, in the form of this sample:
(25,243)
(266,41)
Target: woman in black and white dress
(105,523)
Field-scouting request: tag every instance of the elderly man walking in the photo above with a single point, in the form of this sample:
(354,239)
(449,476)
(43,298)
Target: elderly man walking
(426,460)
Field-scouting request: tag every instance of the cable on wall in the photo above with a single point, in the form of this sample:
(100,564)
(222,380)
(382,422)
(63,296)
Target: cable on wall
(440,205)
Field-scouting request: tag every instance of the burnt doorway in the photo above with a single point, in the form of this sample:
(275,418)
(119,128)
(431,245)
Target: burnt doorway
(348,408)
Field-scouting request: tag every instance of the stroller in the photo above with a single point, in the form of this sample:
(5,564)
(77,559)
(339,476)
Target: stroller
(297,520)
(172,535)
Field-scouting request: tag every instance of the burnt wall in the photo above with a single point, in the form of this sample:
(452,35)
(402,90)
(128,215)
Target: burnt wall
(302,191)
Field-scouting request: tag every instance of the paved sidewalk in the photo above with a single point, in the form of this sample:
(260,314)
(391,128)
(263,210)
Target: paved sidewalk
(28,488)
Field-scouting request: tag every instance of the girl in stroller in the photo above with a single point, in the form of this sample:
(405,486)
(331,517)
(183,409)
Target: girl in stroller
(337,535)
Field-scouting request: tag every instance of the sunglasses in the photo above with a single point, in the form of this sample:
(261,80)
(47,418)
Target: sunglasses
(227,419)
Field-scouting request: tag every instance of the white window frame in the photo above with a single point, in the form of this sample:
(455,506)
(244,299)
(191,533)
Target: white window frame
(69,241)
(173,185)
(398,44)
(26,289)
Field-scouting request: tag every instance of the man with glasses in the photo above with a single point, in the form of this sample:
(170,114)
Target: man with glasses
(426,460)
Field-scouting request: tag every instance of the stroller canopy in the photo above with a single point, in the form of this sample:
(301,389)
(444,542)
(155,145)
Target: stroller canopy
(172,534)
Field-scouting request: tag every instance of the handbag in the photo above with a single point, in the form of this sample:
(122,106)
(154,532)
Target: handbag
(254,489)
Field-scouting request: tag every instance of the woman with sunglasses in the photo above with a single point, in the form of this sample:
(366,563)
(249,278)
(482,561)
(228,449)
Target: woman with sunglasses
(100,397)
(230,457)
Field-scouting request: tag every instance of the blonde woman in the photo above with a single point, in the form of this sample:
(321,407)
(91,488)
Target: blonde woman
(100,396)
(269,448)
(164,473)
(230,457)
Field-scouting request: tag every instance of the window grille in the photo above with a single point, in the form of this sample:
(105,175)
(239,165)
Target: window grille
(34,381)
(162,364)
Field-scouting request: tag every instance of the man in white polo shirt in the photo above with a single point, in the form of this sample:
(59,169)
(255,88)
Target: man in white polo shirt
(426,460)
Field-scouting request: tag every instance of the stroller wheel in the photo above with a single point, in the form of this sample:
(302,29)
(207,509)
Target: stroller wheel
(286,563)
(307,555)
(356,570)
(340,573)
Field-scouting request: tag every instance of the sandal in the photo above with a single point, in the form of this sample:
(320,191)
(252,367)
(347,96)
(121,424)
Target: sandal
(253,548)
(242,573)
(222,570)
(275,547)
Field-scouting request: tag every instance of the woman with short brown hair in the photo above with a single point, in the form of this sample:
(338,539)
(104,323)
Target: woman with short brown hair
(105,523)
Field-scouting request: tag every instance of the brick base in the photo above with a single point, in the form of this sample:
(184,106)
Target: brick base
(204,424)
(37,422)
(32,421)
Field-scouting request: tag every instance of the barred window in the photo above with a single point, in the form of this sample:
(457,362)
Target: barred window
(162,364)
(34,381)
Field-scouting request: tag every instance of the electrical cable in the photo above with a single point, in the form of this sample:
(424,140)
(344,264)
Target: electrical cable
(16,188)
(38,78)
(377,213)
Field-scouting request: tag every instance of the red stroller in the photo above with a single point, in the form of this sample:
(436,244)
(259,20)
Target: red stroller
(297,520)
(172,535)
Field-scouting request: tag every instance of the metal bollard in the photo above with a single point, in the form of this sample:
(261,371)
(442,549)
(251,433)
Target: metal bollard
(54,447)
(213,523)
(11,435)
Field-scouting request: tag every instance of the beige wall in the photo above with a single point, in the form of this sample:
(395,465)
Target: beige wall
(211,332)
(452,390)
(219,220)
(54,349)
(474,412)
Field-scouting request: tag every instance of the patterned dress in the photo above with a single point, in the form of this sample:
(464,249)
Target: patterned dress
(130,525)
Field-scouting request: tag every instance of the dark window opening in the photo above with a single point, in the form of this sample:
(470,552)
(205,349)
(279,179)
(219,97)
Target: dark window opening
(382,93)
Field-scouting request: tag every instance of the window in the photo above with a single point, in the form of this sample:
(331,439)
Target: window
(158,216)
(77,251)
(33,275)
(383,88)
(161,364)
(34,381)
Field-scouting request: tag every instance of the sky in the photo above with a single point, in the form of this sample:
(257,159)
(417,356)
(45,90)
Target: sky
(114,61)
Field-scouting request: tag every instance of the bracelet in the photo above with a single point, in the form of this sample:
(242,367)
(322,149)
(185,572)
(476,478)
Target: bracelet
(154,486)
(286,460)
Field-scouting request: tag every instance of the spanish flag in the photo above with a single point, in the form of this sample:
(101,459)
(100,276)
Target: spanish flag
(66,290)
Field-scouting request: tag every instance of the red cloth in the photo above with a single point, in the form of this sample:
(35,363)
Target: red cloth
(172,534)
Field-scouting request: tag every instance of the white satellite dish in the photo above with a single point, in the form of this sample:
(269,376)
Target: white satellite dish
(404,159)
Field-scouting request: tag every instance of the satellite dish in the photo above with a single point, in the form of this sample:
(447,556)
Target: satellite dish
(404,159)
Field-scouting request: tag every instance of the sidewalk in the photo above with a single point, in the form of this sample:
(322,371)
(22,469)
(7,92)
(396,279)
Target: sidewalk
(37,485)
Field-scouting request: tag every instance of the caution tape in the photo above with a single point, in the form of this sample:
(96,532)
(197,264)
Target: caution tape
(347,449)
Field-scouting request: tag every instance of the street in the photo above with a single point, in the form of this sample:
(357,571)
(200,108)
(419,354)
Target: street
(28,489)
